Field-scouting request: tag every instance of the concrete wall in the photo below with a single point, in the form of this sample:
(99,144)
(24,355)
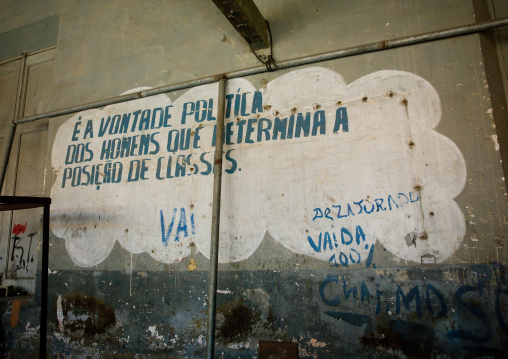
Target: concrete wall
(378,233)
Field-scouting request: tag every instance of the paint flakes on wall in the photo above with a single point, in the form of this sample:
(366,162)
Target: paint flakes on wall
(496,143)
(155,340)
(84,315)
(30,333)
(316,344)
(59,313)
(154,333)
(224,291)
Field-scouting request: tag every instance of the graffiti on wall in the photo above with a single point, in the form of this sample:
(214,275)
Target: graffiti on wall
(23,250)
(326,167)
(412,315)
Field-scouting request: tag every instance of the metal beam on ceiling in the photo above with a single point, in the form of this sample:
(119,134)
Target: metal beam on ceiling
(247,20)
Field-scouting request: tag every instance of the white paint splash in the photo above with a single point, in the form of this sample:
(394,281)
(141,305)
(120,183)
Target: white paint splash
(201,340)
(80,317)
(59,313)
(225,291)
(316,344)
(30,333)
(154,333)
(496,143)
(390,177)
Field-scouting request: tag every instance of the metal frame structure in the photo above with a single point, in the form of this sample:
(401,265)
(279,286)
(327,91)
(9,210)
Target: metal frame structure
(337,54)
(12,203)
(214,247)
(222,78)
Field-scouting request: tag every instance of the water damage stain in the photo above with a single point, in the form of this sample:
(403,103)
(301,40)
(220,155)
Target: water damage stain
(83,313)
(413,339)
(237,320)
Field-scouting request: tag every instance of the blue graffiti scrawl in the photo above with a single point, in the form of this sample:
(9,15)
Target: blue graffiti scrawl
(361,207)
(181,228)
(347,238)
(330,241)
(469,317)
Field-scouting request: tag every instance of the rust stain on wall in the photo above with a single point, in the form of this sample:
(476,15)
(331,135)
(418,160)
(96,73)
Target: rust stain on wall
(16,306)
(86,314)
(238,320)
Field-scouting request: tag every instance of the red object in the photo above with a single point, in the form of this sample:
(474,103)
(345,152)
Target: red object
(19,228)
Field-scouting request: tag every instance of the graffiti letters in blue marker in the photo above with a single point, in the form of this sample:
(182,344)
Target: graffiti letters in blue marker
(182,230)
(329,241)
(388,203)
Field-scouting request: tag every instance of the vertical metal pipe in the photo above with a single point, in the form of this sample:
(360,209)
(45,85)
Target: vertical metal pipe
(18,112)
(214,247)
(44,283)
(7,153)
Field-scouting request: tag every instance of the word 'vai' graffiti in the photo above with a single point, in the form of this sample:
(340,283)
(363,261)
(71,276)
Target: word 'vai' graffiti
(21,255)
(181,228)
(479,309)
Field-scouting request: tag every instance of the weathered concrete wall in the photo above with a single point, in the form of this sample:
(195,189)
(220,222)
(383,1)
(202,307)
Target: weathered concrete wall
(424,277)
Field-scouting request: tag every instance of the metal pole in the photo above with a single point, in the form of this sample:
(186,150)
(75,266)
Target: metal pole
(44,282)
(214,246)
(12,129)
(351,51)
(122,98)
(7,153)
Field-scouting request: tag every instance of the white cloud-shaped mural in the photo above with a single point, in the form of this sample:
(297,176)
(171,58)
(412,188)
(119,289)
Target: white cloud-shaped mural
(327,168)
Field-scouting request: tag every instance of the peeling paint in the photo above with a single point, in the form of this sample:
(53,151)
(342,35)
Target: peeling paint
(316,344)
(59,313)
(496,144)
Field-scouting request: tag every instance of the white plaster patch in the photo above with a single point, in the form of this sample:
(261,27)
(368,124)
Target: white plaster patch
(225,291)
(496,144)
(201,340)
(30,332)
(348,165)
(79,351)
(489,112)
(61,337)
(155,341)
(174,340)
(59,313)
(73,317)
(154,333)
(239,345)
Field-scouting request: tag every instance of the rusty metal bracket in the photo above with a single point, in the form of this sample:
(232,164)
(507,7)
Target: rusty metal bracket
(267,60)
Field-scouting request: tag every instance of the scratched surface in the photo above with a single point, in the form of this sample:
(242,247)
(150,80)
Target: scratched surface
(458,311)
